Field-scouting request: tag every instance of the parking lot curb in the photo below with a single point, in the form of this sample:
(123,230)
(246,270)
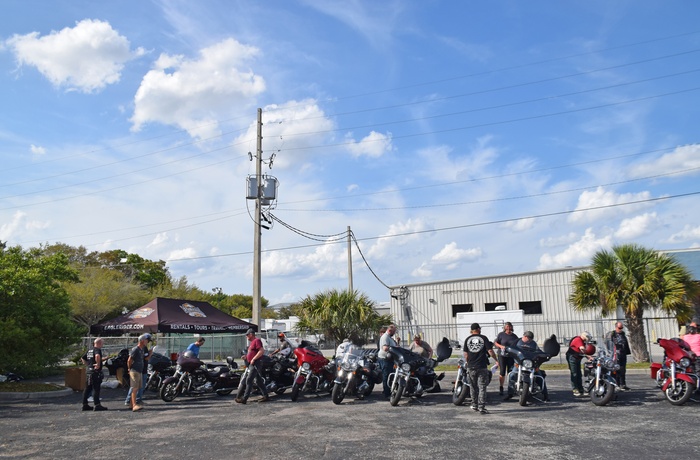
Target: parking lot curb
(14,396)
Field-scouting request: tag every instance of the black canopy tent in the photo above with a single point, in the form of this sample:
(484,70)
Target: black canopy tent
(173,316)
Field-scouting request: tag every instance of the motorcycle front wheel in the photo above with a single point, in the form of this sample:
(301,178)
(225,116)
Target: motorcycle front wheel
(524,393)
(680,393)
(169,391)
(601,398)
(338,393)
(460,393)
(296,388)
(396,393)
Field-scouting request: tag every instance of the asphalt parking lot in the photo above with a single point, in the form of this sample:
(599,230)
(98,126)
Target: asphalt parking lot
(639,424)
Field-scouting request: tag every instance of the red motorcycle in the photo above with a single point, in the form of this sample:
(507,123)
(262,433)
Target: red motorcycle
(315,373)
(676,374)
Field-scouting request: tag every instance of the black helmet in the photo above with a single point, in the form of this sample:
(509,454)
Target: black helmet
(188,354)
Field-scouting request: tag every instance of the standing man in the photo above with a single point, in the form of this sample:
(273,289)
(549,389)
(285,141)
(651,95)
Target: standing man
(477,349)
(421,347)
(135,366)
(622,346)
(144,377)
(194,347)
(386,362)
(254,359)
(506,338)
(574,355)
(93,360)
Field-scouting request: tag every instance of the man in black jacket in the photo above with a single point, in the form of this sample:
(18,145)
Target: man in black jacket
(619,340)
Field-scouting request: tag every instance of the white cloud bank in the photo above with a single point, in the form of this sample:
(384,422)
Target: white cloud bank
(193,94)
(85,58)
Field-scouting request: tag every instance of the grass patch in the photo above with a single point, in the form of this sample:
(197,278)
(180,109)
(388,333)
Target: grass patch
(27,387)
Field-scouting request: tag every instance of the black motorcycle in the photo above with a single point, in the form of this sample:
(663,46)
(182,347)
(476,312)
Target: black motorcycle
(115,363)
(192,377)
(159,368)
(415,375)
(600,373)
(356,374)
(526,378)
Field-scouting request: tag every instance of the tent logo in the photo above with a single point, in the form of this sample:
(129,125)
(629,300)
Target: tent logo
(192,310)
(141,312)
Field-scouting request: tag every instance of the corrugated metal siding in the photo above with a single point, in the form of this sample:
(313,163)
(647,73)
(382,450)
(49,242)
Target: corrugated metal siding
(551,287)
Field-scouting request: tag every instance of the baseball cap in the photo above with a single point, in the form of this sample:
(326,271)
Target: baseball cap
(146,337)
(250,331)
(475,326)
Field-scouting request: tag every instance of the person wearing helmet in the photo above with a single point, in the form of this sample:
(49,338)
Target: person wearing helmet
(135,364)
(618,339)
(574,355)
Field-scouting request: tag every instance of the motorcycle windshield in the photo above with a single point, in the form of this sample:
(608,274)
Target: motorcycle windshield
(673,349)
(403,355)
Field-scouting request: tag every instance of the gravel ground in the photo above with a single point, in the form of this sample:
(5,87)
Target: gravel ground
(639,424)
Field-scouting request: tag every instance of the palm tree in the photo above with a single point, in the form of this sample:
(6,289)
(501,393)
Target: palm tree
(339,315)
(634,279)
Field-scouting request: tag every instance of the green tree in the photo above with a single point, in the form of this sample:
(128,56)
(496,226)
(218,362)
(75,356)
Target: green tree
(339,315)
(635,279)
(101,293)
(35,325)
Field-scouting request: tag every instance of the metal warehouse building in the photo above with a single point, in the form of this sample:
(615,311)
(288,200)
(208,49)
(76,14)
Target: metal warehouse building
(431,308)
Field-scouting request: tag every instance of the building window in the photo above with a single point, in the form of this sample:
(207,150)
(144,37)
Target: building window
(492,306)
(531,308)
(462,308)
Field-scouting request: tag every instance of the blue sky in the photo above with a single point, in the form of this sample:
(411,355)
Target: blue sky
(456,139)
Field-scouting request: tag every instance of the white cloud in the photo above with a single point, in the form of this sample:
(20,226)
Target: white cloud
(636,226)
(86,58)
(553,241)
(352,188)
(384,246)
(37,150)
(18,223)
(373,145)
(423,271)
(194,94)
(450,253)
(606,200)
(184,253)
(688,233)
(324,262)
(685,158)
(159,239)
(521,224)
(578,253)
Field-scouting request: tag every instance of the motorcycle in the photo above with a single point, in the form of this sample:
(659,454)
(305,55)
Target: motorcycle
(463,388)
(315,373)
(413,374)
(278,372)
(119,362)
(526,377)
(159,368)
(600,375)
(356,374)
(676,374)
(192,377)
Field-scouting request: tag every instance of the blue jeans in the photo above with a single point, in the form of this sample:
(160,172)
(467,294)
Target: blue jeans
(387,369)
(575,370)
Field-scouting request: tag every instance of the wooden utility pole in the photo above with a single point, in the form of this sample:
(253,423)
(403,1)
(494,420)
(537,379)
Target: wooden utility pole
(257,293)
(350,288)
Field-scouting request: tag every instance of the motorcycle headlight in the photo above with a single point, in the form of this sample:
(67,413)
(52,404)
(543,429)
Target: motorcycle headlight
(685,362)
(406,367)
(306,366)
(616,367)
(527,364)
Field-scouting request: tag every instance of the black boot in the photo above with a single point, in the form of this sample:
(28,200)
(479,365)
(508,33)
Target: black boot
(87,407)
(99,408)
